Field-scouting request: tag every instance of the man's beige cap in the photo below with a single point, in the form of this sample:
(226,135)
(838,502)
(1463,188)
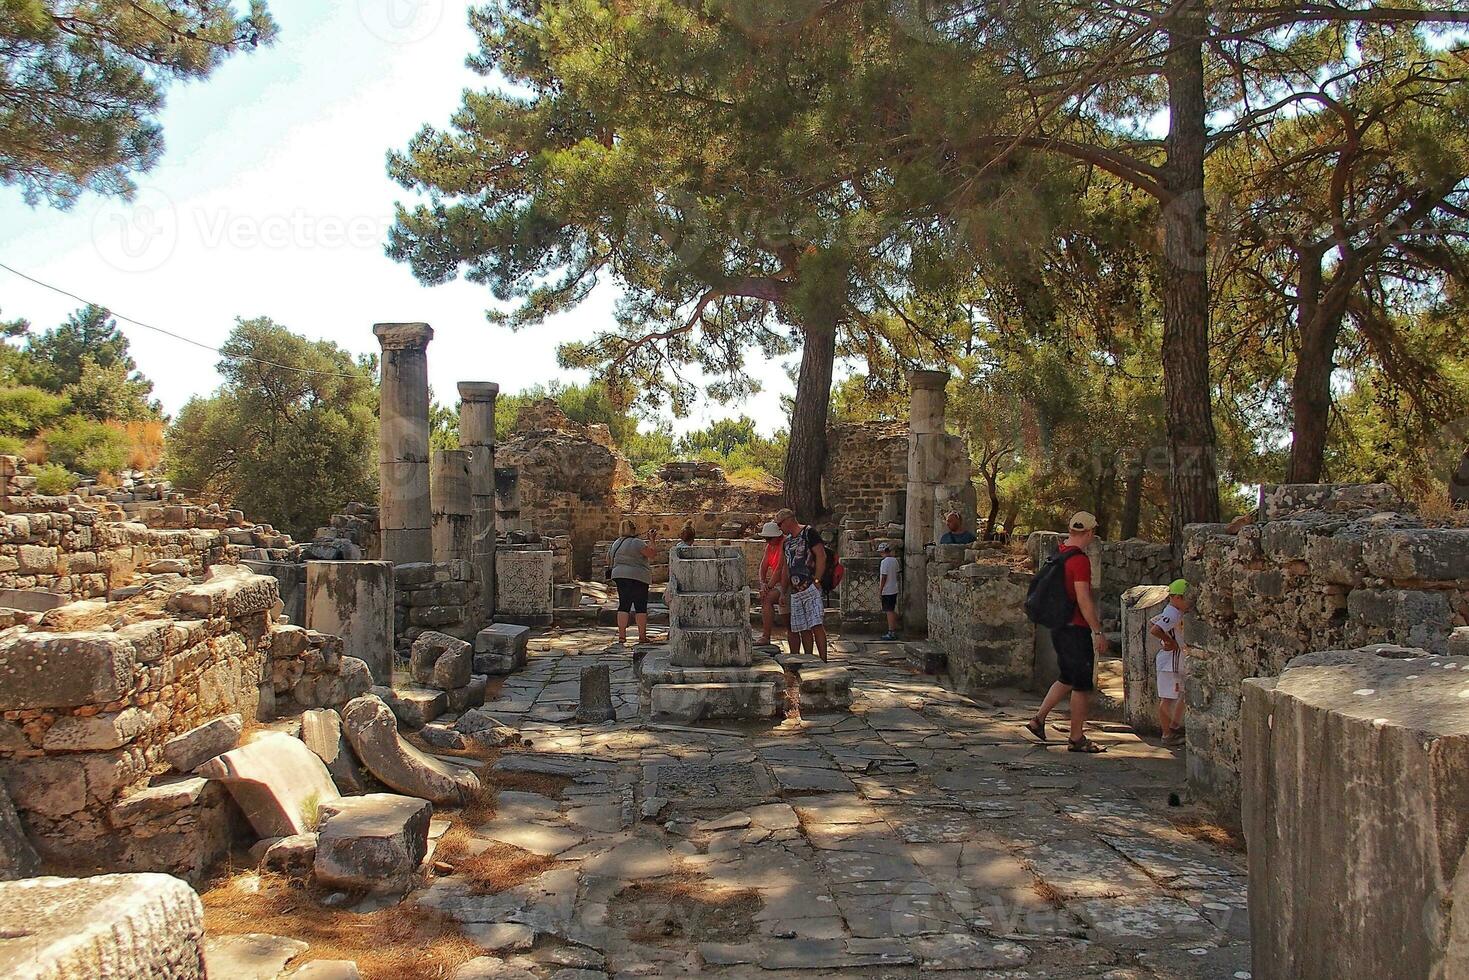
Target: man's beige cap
(1082,521)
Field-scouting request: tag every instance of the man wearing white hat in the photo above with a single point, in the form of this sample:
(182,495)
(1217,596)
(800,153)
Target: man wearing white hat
(770,579)
(1078,642)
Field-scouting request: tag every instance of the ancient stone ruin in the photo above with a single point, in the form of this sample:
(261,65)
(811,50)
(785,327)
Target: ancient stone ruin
(420,704)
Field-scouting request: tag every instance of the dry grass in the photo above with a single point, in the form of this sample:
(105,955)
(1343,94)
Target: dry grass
(682,909)
(145,443)
(1210,833)
(396,943)
(494,869)
(1049,893)
(1433,506)
(541,783)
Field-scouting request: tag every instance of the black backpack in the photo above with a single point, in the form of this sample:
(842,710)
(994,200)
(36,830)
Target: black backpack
(1048,603)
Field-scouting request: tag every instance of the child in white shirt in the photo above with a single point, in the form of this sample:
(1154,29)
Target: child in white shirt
(1170,661)
(888,588)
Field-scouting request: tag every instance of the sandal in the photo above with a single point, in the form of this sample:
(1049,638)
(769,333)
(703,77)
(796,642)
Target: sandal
(1086,745)
(1037,729)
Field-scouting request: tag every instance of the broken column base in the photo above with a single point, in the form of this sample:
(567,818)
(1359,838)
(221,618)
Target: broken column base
(1356,782)
(691,694)
(145,925)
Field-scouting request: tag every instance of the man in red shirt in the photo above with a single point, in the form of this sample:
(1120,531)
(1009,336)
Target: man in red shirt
(1078,643)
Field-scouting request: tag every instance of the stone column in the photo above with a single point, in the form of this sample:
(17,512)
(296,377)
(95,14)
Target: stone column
(477,434)
(452,505)
(354,600)
(928,450)
(403,463)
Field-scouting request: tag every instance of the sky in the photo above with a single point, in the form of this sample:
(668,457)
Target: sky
(272,199)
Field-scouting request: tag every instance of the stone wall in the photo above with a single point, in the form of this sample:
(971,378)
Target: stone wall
(1324,567)
(88,544)
(1355,795)
(865,460)
(439,596)
(976,616)
(90,693)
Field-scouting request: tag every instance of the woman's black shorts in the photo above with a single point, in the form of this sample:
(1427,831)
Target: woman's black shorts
(632,595)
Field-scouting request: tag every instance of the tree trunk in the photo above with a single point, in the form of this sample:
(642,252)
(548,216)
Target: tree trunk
(992,486)
(1132,498)
(806,455)
(1106,489)
(1194,483)
(1319,314)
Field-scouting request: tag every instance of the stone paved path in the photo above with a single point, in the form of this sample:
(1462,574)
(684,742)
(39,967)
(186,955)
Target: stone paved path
(922,834)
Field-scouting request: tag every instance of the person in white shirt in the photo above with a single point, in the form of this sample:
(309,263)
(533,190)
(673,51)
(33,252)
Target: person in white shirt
(1167,626)
(888,588)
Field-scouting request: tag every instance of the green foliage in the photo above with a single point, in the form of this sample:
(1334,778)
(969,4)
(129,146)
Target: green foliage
(26,410)
(736,445)
(12,446)
(85,83)
(443,432)
(53,479)
(647,450)
(87,446)
(288,441)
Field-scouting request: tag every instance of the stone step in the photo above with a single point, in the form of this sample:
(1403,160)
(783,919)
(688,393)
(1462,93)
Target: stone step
(711,647)
(690,703)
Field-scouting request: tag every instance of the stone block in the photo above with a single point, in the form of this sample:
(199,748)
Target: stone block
(1139,652)
(18,858)
(423,658)
(277,781)
(711,569)
(825,688)
(108,926)
(414,706)
(523,581)
(31,600)
(1436,554)
(321,730)
(709,610)
(64,670)
(711,647)
(250,956)
(197,746)
(228,592)
(95,733)
(689,703)
(1364,843)
(595,704)
(501,648)
(471,695)
(292,857)
(1412,618)
(373,732)
(354,600)
(373,843)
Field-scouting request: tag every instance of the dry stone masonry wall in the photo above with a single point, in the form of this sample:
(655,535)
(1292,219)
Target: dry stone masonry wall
(94,693)
(1323,567)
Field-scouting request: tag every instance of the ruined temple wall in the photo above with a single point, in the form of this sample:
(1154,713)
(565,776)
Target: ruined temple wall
(1324,567)
(440,596)
(865,460)
(976,616)
(88,706)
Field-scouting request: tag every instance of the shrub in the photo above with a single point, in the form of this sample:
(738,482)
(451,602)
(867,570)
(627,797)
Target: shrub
(25,410)
(87,447)
(53,480)
(12,446)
